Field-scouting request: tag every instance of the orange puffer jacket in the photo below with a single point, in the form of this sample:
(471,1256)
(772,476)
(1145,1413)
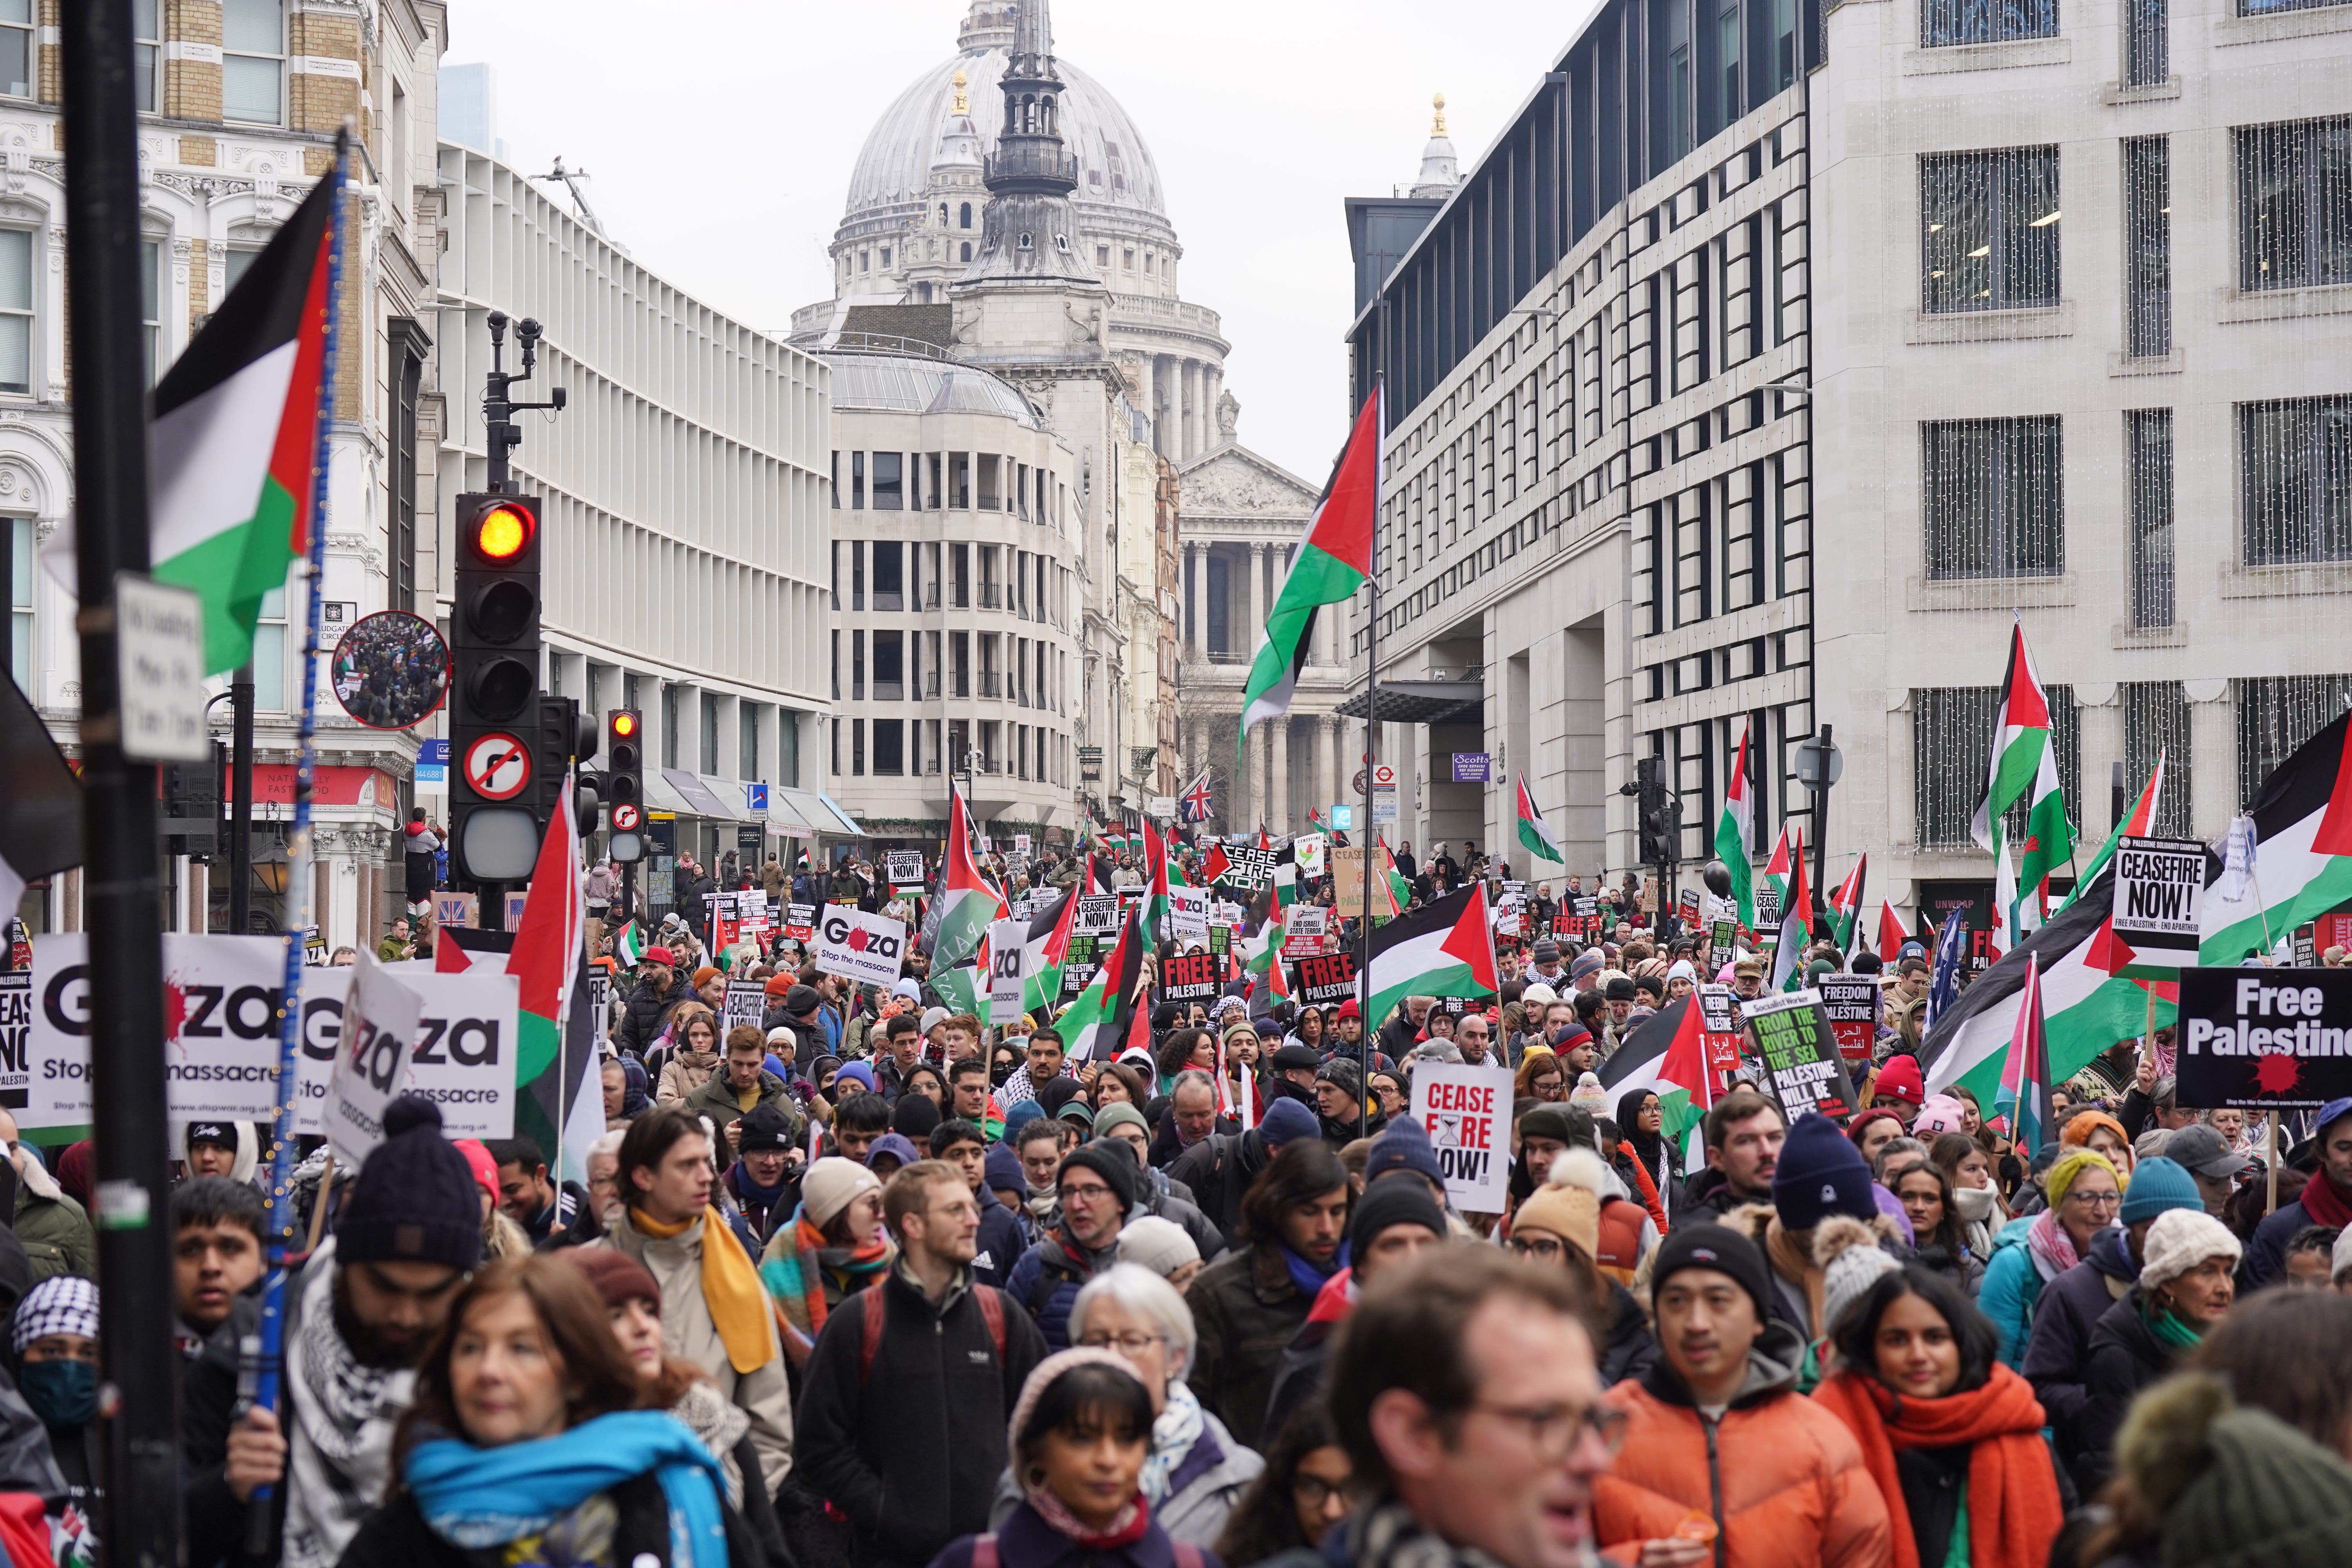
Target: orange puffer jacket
(1784,1487)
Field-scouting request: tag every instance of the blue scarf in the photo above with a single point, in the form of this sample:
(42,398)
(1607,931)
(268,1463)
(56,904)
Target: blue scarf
(476,1498)
(1307,1277)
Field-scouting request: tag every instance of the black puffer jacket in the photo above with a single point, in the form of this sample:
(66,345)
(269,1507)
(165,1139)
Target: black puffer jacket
(2126,1357)
(644,1011)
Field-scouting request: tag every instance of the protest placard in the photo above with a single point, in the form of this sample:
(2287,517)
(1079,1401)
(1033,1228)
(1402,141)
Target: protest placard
(1188,912)
(462,1058)
(1718,1011)
(747,1002)
(1468,1112)
(1098,915)
(1326,978)
(855,945)
(371,1063)
(1188,976)
(800,921)
(1247,866)
(220,1048)
(1306,853)
(1800,1057)
(2159,890)
(15,1039)
(2262,1039)
(1004,969)
(452,908)
(1080,963)
(1851,1003)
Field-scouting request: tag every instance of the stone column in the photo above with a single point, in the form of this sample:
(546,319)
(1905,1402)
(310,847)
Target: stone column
(1212,387)
(1196,411)
(1279,742)
(1164,406)
(1244,621)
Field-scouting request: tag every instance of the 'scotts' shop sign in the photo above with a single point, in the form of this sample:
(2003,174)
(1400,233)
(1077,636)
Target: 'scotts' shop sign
(2256,1039)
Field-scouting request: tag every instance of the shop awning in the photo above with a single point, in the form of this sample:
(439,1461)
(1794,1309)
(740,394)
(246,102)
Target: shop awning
(848,823)
(785,819)
(807,810)
(663,796)
(1422,703)
(701,799)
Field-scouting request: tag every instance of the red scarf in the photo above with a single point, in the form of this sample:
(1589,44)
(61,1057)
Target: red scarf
(2324,1203)
(2012,1499)
(1126,1529)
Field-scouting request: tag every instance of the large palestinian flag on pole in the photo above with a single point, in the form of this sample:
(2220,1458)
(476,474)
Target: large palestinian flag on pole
(2085,1006)
(968,899)
(1732,830)
(235,433)
(1776,871)
(1044,952)
(1333,559)
(562,1100)
(2300,854)
(2023,766)
(1444,949)
(1845,906)
(1667,1056)
(1102,1021)
(1796,920)
(1534,834)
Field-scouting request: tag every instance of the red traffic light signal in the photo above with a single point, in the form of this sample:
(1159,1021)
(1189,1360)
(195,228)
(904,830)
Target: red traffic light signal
(502,532)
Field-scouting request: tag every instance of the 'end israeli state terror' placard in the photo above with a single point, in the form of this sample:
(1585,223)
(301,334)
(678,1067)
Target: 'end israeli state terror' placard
(2160,886)
(2256,1039)
(1467,1110)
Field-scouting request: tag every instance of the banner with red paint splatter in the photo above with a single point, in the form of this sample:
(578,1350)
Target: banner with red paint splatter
(2262,1039)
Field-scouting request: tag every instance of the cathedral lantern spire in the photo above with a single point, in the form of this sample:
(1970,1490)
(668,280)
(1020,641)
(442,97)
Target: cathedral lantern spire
(1030,231)
(1441,171)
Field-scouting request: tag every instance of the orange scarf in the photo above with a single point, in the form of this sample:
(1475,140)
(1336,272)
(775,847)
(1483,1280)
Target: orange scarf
(2012,1500)
(731,1290)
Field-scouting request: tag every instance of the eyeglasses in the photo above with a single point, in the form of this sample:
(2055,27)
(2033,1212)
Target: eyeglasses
(1556,1429)
(2095,1200)
(1086,1194)
(1543,1246)
(1313,1490)
(1133,1343)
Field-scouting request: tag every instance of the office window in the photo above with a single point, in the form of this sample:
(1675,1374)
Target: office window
(2294,203)
(837,660)
(2155,719)
(269,654)
(890,579)
(889,747)
(2147,51)
(709,732)
(1993,496)
(19,52)
(1943,23)
(2147,246)
(20,599)
(1727,56)
(16,311)
(2294,478)
(857,747)
(835,760)
(832,486)
(670,725)
(856,665)
(960,663)
(931,495)
(1989,225)
(1784,43)
(147,54)
(857,574)
(1952,722)
(857,482)
(890,667)
(2267,7)
(788,748)
(889,486)
(960,559)
(2147,463)
(747,740)
(2278,713)
(253,62)
(150,305)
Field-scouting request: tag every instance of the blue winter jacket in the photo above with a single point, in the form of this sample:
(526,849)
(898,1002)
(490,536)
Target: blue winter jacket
(2013,1286)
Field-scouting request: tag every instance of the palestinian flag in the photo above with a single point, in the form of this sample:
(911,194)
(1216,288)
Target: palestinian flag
(2085,1006)
(1214,864)
(1733,830)
(2300,854)
(1796,927)
(2136,823)
(1533,834)
(629,947)
(1286,876)
(1891,934)
(1332,560)
(2024,1095)
(964,988)
(1104,1019)
(1777,868)
(1155,878)
(237,433)
(1444,949)
(1262,957)
(1315,822)
(1042,954)
(1845,905)
(1667,1056)
(2024,767)
(968,899)
(562,1103)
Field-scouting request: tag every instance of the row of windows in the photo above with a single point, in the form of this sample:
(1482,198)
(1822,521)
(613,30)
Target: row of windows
(907,666)
(1993,494)
(912,576)
(611,688)
(893,748)
(253,56)
(925,481)
(1946,24)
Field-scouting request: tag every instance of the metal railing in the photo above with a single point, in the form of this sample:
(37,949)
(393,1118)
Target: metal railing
(931,684)
(888,601)
(889,691)
(991,683)
(991,597)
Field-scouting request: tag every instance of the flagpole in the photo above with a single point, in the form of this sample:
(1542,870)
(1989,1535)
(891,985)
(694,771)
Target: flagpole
(1372,737)
(260,1524)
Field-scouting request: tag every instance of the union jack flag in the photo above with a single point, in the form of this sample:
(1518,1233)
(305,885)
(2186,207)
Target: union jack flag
(1197,802)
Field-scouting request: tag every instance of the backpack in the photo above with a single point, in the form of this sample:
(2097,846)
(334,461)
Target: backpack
(983,1553)
(991,1310)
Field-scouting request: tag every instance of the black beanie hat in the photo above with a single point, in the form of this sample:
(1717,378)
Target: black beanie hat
(416,1200)
(1116,1166)
(1400,1197)
(764,1130)
(915,1115)
(1718,1247)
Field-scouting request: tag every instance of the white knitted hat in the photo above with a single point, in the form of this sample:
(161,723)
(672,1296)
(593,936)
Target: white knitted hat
(1159,1245)
(831,1186)
(2178,1241)
(1851,1262)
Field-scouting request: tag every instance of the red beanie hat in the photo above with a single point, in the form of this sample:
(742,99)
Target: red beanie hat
(1900,1077)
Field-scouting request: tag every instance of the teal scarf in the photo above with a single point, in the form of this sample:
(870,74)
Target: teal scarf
(2169,1331)
(475,1496)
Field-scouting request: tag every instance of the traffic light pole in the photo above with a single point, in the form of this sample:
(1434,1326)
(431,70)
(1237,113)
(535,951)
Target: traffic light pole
(240,818)
(499,407)
(140,1525)
(1821,840)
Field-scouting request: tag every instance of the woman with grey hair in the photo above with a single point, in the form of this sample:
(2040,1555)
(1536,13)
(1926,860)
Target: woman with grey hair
(1195,1471)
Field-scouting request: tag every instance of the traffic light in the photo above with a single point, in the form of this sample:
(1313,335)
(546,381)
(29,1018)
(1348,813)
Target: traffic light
(1661,831)
(498,795)
(191,800)
(588,795)
(624,783)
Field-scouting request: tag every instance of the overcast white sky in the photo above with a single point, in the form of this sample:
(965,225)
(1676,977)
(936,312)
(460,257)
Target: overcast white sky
(720,134)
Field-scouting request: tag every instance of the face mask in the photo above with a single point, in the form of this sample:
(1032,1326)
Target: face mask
(61,1393)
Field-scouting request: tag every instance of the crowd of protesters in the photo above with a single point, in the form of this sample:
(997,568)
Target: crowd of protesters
(871,1284)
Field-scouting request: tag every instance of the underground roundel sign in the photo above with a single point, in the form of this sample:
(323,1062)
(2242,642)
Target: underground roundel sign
(496,766)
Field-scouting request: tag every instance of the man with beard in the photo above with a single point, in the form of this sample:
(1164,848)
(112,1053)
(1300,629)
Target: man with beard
(1744,1135)
(359,1316)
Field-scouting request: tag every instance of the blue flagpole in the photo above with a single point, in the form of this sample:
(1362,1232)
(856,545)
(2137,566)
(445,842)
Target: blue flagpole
(266,1360)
